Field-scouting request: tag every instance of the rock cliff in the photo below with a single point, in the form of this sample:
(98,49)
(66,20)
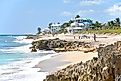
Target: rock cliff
(107,67)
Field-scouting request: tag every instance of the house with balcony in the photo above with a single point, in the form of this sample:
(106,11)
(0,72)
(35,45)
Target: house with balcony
(78,25)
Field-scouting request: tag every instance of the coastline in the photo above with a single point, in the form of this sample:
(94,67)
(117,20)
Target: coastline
(62,40)
(64,59)
(52,63)
(20,61)
(101,38)
(104,67)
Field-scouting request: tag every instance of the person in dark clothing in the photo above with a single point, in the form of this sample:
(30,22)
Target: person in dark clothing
(95,37)
(74,37)
(79,37)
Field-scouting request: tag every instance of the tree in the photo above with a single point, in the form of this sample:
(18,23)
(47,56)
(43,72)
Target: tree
(77,16)
(50,25)
(97,25)
(58,22)
(39,30)
(63,27)
(70,22)
(112,24)
(109,24)
(117,22)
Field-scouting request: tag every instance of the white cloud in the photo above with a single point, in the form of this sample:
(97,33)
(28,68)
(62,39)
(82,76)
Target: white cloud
(90,2)
(66,1)
(115,10)
(66,13)
(84,12)
(80,12)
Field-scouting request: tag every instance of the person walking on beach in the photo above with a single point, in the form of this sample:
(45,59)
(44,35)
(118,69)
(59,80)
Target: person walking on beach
(79,37)
(95,37)
(74,37)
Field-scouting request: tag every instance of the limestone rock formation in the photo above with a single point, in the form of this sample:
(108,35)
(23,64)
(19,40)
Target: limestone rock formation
(33,50)
(107,67)
(60,45)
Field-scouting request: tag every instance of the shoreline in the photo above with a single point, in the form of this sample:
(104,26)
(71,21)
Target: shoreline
(64,59)
(21,68)
(60,62)
(105,67)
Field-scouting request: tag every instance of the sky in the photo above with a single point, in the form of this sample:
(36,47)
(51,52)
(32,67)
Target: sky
(25,16)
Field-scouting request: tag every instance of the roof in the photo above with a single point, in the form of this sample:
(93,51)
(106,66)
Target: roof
(46,29)
(81,19)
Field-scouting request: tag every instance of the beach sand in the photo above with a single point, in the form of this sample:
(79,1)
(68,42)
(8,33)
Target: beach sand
(64,59)
(101,38)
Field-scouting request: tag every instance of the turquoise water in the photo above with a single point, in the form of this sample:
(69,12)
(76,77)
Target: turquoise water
(7,43)
(16,60)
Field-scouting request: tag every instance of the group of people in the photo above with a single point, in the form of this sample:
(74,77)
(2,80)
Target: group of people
(84,36)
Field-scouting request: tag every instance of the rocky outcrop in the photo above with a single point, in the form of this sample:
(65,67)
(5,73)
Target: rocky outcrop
(31,37)
(33,50)
(107,67)
(59,45)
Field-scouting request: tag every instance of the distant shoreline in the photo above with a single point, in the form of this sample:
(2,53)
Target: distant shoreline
(17,35)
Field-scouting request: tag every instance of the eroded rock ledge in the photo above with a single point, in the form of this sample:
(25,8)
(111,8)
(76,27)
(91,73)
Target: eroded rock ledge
(107,67)
(61,45)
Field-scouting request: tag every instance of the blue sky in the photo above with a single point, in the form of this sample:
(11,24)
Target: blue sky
(24,16)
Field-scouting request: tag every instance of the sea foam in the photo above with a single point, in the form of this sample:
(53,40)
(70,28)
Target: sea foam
(23,71)
(22,39)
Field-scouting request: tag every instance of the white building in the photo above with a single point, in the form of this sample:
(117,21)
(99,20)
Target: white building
(78,25)
(46,31)
(55,28)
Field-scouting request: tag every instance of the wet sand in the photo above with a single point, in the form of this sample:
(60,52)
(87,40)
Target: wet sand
(64,59)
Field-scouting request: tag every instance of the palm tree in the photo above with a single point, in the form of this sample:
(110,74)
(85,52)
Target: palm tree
(63,26)
(117,22)
(70,22)
(97,25)
(109,24)
(50,25)
(112,24)
(77,16)
(58,22)
(39,30)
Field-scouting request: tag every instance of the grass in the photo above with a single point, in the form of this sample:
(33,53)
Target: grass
(103,31)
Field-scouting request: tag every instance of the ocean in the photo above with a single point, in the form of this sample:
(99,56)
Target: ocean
(17,61)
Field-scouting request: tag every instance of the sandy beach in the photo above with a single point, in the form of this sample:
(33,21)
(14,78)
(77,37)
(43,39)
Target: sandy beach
(67,58)
(106,39)
(64,59)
